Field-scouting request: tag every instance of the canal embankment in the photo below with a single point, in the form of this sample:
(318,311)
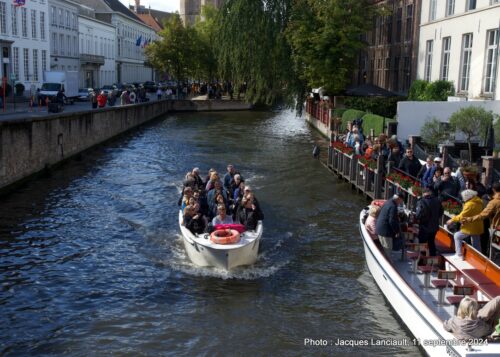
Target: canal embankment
(31,143)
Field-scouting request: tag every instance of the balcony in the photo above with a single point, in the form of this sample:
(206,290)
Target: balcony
(91,59)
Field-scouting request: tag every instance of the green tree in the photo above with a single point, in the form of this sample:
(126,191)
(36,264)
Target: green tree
(433,132)
(205,62)
(252,50)
(176,51)
(326,37)
(473,122)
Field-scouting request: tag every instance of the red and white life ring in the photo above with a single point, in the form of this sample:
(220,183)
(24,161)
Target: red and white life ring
(225,236)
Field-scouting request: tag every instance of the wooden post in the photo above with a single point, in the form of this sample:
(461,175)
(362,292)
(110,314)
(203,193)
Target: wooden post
(444,152)
(378,182)
(387,185)
(353,171)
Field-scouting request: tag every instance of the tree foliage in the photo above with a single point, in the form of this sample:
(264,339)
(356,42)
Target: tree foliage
(205,62)
(473,122)
(421,90)
(433,132)
(326,37)
(176,51)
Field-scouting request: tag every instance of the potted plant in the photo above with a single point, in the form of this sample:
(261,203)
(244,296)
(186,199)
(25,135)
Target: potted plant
(19,89)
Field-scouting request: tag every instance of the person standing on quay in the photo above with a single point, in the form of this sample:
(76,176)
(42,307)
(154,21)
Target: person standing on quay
(93,99)
(429,210)
(410,164)
(388,228)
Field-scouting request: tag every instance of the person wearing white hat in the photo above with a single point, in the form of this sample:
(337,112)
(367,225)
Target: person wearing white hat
(437,161)
(472,206)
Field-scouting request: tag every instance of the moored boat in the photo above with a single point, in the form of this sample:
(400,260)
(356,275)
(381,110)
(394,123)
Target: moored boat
(203,251)
(423,307)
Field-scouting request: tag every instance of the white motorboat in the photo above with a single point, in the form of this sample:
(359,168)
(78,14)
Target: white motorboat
(421,308)
(203,252)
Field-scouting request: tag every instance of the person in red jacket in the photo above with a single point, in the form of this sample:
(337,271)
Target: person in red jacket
(101,100)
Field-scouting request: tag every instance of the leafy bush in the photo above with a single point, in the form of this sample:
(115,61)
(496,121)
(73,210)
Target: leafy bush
(19,88)
(434,91)
(350,115)
(384,106)
(337,113)
(373,121)
(417,90)
(439,91)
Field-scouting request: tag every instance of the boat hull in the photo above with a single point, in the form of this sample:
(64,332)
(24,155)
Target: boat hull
(222,258)
(202,252)
(426,327)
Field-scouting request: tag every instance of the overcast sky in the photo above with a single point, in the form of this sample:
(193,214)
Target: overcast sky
(162,5)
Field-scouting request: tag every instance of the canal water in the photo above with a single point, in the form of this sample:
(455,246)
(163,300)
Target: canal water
(92,263)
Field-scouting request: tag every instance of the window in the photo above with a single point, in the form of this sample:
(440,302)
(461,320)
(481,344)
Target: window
(445,59)
(26,64)
(35,65)
(432,10)
(395,78)
(466,62)
(470,5)
(68,24)
(53,14)
(68,46)
(14,20)
(61,18)
(399,21)
(450,7)
(44,61)
(75,45)
(407,72)
(491,61)
(75,22)
(15,55)
(389,29)
(33,23)
(24,22)
(61,43)
(409,23)
(3,17)
(54,43)
(428,60)
(42,25)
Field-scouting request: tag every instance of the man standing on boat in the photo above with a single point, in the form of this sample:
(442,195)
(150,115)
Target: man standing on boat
(388,228)
(429,210)
(410,164)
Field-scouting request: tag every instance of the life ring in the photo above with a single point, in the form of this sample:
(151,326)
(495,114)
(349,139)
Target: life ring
(225,236)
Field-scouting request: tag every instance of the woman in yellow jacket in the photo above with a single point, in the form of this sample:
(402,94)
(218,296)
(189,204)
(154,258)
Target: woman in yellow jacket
(473,205)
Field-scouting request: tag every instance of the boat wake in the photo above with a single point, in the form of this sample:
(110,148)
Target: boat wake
(267,264)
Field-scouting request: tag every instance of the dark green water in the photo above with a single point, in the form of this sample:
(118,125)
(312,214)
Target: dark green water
(92,263)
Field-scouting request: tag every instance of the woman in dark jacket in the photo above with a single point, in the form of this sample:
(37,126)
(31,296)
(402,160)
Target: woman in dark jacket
(248,213)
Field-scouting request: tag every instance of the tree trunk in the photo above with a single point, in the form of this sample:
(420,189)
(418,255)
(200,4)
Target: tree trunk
(470,150)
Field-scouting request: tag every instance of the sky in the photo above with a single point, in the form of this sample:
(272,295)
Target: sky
(162,5)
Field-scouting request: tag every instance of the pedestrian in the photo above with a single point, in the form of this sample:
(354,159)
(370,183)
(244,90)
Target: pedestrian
(491,211)
(93,99)
(446,185)
(429,212)
(124,97)
(410,164)
(388,228)
(473,206)
(101,99)
(132,97)
(158,93)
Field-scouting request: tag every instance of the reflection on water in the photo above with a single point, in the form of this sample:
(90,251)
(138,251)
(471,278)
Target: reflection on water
(91,257)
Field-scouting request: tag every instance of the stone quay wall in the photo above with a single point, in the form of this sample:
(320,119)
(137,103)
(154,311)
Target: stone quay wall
(30,145)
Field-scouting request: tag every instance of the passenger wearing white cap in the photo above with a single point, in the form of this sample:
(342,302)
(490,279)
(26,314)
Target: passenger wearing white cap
(438,161)
(473,205)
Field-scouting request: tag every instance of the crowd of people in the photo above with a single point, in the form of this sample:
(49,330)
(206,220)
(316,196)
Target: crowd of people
(208,202)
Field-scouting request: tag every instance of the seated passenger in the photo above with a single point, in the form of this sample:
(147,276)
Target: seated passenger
(212,194)
(234,184)
(221,217)
(187,194)
(248,213)
(471,323)
(214,177)
(371,221)
(219,200)
(193,220)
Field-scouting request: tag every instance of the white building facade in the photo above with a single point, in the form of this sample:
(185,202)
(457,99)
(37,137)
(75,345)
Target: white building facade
(459,42)
(24,42)
(97,43)
(64,52)
(130,57)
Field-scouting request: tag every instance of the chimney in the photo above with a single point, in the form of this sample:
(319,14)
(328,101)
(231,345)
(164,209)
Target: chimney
(137,5)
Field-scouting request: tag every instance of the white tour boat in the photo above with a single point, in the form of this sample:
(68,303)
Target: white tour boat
(204,252)
(419,303)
